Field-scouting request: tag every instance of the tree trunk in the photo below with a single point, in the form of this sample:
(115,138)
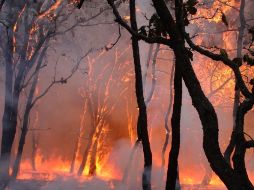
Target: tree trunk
(175,123)
(203,106)
(126,170)
(240,149)
(86,152)
(142,118)
(150,52)
(90,138)
(75,152)
(151,92)
(34,150)
(231,145)
(25,124)
(96,137)
(167,116)
(8,133)
(210,125)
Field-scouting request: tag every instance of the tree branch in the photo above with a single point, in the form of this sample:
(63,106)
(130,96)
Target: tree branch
(119,20)
(225,60)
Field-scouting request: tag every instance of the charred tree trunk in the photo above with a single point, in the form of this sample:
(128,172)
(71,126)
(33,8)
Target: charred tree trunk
(240,149)
(90,138)
(142,118)
(150,52)
(8,133)
(210,124)
(229,150)
(150,94)
(73,160)
(147,101)
(25,124)
(167,116)
(11,105)
(34,150)
(231,145)
(86,152)
(1,4)
(126,170)
(175,123)
(78,140)
(203,106)
(96,137)
(175,29)
(92,162)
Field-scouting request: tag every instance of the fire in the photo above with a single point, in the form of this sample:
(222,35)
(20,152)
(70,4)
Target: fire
(51,12)
(53,167)
(217,9)
(47,169)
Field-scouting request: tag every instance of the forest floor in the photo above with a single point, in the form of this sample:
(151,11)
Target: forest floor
(198,187)
(95,184)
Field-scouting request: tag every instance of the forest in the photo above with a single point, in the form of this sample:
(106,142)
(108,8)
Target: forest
(127,94)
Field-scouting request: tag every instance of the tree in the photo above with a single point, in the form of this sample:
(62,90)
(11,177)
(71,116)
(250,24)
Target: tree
(21,48)
(142,117)
(233,178)
(27,29)
(99,105)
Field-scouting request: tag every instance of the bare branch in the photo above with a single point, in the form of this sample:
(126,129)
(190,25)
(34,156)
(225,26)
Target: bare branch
(119,20)
(114,43)
(225,60)
(62,80)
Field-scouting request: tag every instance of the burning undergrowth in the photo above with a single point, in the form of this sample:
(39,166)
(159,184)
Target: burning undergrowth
(83,136)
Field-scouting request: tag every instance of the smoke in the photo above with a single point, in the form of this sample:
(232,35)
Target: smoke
(60,111)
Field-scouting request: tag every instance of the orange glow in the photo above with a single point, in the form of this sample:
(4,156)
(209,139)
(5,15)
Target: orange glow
(211,75)
(214,14)
(54,167)
(49,169)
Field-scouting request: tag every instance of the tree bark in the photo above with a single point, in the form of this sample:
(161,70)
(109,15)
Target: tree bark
(151,92)
(203,106)
(206,112)
(75,152)
(85,154)
(167,116)
(231,145)
(150,52)
(8,133)
(25,124)
(175,123)
(142,118)
(12,90)
(240,149)
(94,148)
(90,138)
(34,150)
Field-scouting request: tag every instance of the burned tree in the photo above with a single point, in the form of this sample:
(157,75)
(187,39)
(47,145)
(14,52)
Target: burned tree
(98,107)
(176,31)
(27,28)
